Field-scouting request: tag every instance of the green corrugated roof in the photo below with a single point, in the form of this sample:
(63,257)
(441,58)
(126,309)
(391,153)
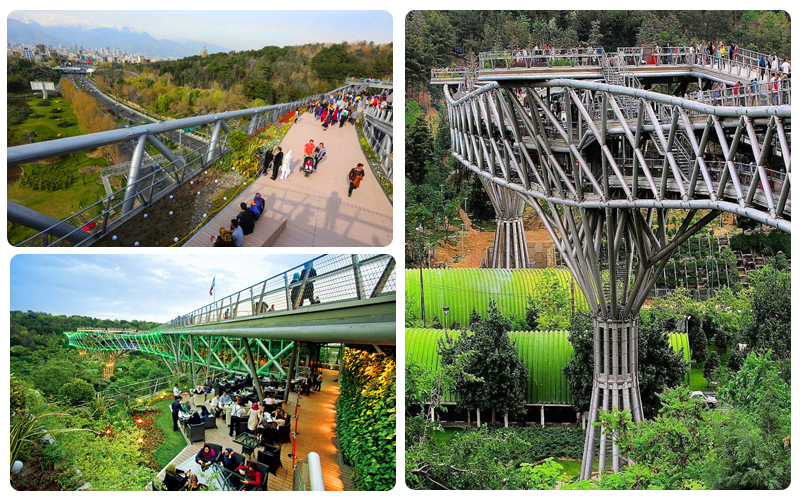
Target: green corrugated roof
(545,354)
(465,289)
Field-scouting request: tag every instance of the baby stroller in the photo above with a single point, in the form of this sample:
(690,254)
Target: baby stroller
(308,164)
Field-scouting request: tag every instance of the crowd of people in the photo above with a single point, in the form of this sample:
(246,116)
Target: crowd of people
(263,419)
(243,224)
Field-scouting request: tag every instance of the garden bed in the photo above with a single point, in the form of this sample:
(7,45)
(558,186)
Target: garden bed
(375,164)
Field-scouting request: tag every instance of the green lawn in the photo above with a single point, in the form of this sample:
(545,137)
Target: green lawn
(60,203)
(697,382)
(174,442)
(572,467)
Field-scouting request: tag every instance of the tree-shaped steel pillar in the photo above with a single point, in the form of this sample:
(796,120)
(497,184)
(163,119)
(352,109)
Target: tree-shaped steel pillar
(510,247)
(615,256)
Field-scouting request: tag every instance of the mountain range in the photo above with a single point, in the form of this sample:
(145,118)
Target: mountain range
(127,39)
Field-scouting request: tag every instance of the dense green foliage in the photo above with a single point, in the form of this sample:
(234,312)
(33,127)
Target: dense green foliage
(227,81)
(366,418)
(688,446)
(766,243)
(770,322)
(489,459)
(490,373)
(21,72)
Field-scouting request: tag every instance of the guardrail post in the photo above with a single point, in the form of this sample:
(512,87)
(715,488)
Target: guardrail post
(357,276)
(133,175)
(212,144)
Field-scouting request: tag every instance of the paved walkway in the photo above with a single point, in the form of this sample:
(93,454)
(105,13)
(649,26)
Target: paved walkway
(316,432)
(318,210)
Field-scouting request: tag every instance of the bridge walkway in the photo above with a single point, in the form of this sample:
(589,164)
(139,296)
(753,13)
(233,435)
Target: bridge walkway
(317,208)
(316,432)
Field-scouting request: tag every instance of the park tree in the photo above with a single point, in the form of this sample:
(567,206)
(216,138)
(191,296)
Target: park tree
(712,363)
(579,369)
(490,372)
(770,319)
(753,449)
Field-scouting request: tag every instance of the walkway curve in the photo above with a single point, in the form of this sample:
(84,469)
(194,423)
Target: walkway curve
(318,210)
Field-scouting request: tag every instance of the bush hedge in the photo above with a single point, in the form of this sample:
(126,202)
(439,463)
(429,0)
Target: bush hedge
(366,418)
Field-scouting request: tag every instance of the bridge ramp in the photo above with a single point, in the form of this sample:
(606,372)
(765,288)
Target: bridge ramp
(317,208)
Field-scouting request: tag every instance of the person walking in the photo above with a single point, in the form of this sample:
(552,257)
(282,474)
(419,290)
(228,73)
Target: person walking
(355,176)
(287,165)
(276,163)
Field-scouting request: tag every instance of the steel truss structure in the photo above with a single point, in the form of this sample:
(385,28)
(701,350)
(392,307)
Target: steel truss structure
(620,177)
(200,355)
(259,328)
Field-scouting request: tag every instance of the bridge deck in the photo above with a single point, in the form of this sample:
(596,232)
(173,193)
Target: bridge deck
(318,210)
(316,432)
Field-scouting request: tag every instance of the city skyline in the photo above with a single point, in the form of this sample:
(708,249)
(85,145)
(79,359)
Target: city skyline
(235,30)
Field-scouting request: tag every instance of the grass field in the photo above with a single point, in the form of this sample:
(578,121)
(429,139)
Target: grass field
(174,442)
(60,203)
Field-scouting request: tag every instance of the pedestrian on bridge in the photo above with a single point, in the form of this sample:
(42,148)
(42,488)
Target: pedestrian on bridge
(286,168)
(268,158)
(276,162)
(355,176)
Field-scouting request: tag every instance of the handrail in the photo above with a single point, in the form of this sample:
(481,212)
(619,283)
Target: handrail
(552,56)
(339,278)
(114,209)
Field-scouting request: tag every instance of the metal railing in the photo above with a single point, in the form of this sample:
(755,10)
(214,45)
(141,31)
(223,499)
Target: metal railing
(378,130)
(750,94)
(101,217)
(366,82)
(545,57)
(453,73)
(323,280)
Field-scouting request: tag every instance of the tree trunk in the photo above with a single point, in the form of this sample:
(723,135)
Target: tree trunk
(505,420)
(492,417)
(479,418)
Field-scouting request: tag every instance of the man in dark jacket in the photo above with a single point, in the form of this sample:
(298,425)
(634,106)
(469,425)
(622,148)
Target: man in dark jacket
(267,161)
(355,176)
(247,219)
(277,161)
(175,407)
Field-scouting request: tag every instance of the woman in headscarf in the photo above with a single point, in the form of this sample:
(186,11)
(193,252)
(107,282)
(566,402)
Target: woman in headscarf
(206,456)
(252,476)
(203,412)
(255,417)
(173,481)
(224,239)
(286,167)
(260,202)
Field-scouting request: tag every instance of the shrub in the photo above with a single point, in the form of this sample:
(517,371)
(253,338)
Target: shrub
(43,102)
(78,391)
(16,115)
(64,124)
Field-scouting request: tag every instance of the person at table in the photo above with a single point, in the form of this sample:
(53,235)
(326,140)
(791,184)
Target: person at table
(174,481)
(208,387)
(272,401)
(176,391)
(199,390)
(251,479)
(195,418)
(266,431)
(225,399)
(176,408)
(206,456)
(186,407)
(255,416)
(279,415)
(204,412)
(227,460)
(216,406)
(236,414)
(196,485)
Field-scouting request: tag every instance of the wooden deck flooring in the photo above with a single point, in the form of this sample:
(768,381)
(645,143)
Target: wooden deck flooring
(318,210)
(315,426)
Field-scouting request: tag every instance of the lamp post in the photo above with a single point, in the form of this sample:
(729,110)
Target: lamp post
(446,310)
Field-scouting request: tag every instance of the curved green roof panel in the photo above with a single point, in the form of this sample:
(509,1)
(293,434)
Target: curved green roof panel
(545,354)
(465,289)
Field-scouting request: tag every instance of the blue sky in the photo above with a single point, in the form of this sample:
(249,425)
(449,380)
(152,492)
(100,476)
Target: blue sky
(151,287)
(234,29)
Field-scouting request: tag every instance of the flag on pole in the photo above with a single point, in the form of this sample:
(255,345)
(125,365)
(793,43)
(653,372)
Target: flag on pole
(213,281)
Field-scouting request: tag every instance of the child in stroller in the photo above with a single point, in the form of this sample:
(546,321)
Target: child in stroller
(309,165)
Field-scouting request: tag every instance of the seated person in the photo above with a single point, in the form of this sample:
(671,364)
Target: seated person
(196,419)
(225,399)
(272,308)
(174,479)
(208,389)
(272,401)
(260,202)
(267,432)
(186,407)
(196,485)
(203,413)
(199,390)
(251,476)
(206,456)
(227,460)
(247,219)
(237,235)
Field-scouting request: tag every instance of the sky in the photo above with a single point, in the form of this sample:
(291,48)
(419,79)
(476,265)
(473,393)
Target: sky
(148,287)
(234,29)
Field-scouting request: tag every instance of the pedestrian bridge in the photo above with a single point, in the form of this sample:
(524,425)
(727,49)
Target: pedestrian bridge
(355,299)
